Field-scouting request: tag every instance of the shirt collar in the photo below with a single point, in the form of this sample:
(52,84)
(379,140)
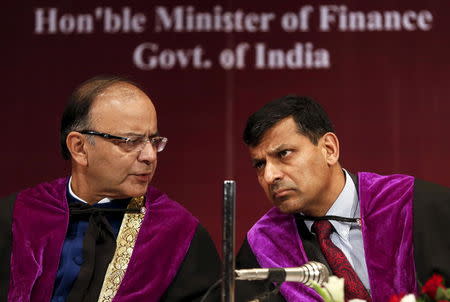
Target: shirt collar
(104,200)
(346,205)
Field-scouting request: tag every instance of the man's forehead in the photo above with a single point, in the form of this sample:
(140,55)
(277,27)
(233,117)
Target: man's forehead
(120,94)
(282,130)
(121,91)
(280,136)
(124,107)
(268,145)
(267,148)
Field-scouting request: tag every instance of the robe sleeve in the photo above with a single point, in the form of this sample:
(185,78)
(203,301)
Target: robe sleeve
(248,290)
(431,230)
(200,269)
(5,243)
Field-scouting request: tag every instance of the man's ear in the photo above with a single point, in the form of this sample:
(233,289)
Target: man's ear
(330,145)
(76,143)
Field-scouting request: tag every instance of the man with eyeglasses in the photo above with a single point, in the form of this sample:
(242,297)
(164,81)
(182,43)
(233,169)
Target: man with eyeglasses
(104,233)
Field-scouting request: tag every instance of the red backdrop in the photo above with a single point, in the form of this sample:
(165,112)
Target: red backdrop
(379,68)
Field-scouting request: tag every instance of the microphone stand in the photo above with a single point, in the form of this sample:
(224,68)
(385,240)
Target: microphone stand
(228,240)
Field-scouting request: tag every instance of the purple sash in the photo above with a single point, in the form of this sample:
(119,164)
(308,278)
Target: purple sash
(40,221)
(387,228)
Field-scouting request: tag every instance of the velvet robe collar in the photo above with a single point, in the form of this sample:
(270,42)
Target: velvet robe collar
(40,221)
(386,204)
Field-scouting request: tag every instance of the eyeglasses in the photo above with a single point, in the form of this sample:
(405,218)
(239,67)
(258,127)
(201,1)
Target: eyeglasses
(133,143)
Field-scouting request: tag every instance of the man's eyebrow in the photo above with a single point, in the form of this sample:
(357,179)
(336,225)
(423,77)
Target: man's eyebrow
(253,160)
(154,134)
(279,148)
(257,161)
(140,134)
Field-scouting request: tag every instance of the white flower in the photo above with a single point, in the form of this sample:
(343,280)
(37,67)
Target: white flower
(408,298)
(335,287)
(357,300)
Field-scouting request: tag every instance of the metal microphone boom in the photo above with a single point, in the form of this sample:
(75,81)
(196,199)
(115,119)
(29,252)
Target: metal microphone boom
(311,271)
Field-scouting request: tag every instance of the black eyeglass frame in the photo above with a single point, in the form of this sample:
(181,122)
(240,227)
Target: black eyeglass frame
(126,139)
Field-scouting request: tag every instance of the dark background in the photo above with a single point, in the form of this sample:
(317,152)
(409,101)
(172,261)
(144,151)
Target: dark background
(387,93)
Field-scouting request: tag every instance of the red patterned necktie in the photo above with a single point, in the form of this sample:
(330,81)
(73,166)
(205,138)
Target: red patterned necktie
(339,263)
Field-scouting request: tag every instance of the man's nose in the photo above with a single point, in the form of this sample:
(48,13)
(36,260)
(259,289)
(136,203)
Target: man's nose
(272,173)
(148,153)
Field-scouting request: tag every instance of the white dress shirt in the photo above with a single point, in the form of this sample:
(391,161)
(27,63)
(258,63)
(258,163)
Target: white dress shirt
(104,200)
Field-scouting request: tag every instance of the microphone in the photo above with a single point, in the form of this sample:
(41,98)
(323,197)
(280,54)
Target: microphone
(311,271)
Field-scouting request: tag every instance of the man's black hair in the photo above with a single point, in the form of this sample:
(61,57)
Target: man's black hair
(76,114)
(311,119)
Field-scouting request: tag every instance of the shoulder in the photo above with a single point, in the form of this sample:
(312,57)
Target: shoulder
(48,197)
(422,189)
(375,190)
(431,192)
(375,180)
(273,216)
(431,203)
(431,242)
(430,200)
(272,227)
(160,202)
(41,193)
(202,249)
(7,206)
(249,290)
(44,191)
(245,257)
(201,261)
(5,242)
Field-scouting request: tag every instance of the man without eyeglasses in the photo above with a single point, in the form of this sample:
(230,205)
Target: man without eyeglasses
(104,233)
(374,231)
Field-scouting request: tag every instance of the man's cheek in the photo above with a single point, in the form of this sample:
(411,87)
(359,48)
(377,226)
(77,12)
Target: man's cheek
(262,183)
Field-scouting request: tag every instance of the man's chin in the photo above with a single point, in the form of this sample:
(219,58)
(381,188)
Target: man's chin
(288,207)
(286,210)
(137,190)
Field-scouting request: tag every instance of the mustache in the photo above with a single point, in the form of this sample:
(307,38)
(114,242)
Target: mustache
(277,187)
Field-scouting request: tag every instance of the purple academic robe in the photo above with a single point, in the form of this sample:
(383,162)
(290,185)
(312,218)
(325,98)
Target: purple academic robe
(40,221)
(387,227)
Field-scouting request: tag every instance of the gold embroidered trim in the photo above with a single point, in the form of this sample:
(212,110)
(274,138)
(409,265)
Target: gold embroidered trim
(126,239)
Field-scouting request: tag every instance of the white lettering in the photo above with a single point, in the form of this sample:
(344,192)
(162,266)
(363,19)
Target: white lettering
(41,20)
(241,50)
(187,19)
(301,56)
(408,20)
(424,20)
(289,22)
(374,20)
(304,14)
(226,59)
(51,23)
(392,20)
(66,24)
(230,59)
(327,16)
(357,21)
(123,22)
(148,57)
